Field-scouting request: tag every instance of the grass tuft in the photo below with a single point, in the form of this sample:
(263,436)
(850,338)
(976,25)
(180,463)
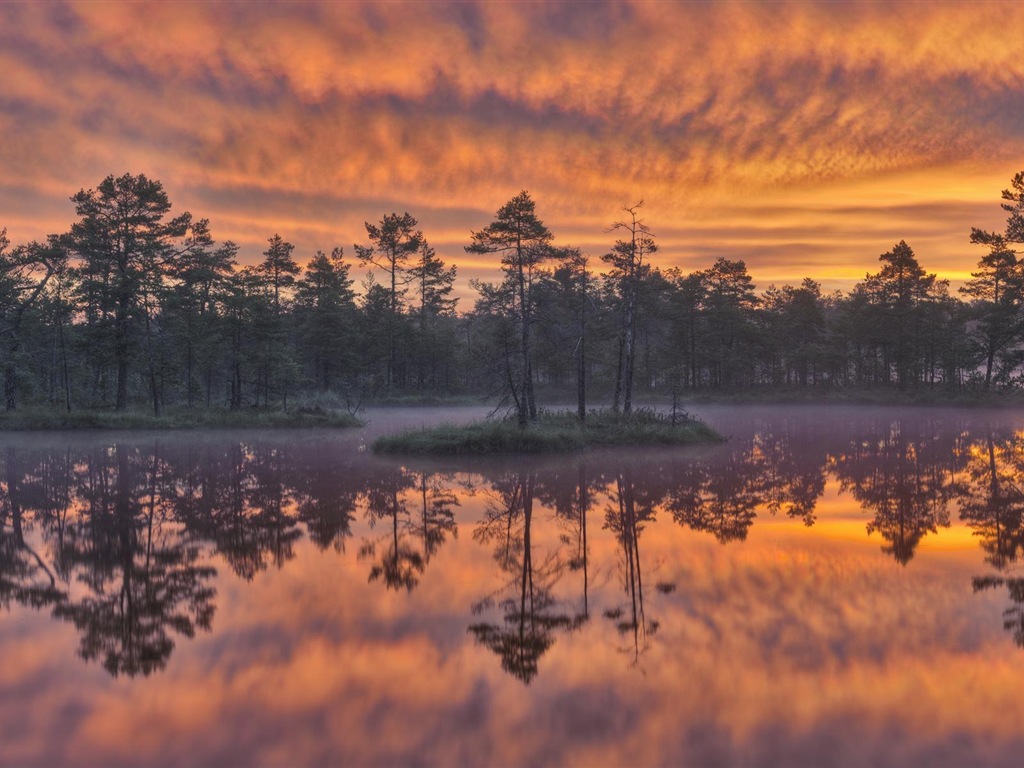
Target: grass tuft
(551,433)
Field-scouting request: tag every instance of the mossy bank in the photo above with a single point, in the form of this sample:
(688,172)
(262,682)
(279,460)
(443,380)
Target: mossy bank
(551,433)
(247,418)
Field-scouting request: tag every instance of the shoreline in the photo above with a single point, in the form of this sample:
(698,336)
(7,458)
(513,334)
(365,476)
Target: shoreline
(41,420)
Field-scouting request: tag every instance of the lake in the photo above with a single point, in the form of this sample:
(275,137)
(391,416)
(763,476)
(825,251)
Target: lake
(832,586)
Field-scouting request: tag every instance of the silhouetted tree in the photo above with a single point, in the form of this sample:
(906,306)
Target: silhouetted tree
(627,270)
(433,283)
(325,313)
(393,242)
(729,303)
(198,275)
(278,269)
(997,289)
(524,243)
(125,244)
(899,290)
(24,274)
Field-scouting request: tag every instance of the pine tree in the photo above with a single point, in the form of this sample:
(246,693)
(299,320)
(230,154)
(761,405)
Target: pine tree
(325,317)
(125,244)
(393,243)
(433,283)
(524,243)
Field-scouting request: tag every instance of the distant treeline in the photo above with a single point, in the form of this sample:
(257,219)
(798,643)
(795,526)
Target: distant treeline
(132,306)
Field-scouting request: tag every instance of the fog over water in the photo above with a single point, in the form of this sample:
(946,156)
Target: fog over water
(830,586)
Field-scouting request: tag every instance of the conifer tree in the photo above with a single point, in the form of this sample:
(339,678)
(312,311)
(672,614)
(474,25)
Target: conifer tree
(124,243)
(433,283)
(279,269)
(325,317)
(393,242)
(524,243)
(628,269)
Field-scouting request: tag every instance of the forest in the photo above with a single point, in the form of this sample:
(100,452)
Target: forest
(136,307)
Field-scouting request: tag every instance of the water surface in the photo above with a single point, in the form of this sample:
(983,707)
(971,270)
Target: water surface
(831,586)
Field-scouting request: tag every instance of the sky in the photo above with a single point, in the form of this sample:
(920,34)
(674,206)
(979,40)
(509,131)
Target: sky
(804,138)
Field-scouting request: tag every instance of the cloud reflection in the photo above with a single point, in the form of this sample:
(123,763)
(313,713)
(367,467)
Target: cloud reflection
(773,628)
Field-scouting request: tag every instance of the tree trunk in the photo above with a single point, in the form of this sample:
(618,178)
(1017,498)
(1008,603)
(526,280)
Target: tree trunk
(531,400)
(525,389)
(154,390)
(189,364)
(628,354)
(10,385)
(122,349)
(617,398)
(122,383)
(581,378)
(990,358)
(64,365)
(392,316)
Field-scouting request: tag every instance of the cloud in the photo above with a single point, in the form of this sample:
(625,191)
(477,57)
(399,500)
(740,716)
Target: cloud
(707,111)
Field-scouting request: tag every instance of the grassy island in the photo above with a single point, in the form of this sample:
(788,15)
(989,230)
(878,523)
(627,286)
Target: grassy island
(246,418)
(551,433)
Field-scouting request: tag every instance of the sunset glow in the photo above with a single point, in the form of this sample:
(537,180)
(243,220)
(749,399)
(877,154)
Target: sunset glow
(804,138)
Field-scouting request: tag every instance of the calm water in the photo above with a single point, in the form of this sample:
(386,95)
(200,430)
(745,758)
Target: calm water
(830,587)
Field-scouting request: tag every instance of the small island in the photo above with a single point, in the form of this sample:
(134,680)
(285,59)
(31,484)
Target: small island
(550,433)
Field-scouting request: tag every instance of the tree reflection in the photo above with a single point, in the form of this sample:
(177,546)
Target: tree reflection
(790,472)
(570,494)
(234,495)
(25,577)
(625,517)
(120,539)
(420,508)
(992,504)
(580,558)
(276,531)
(1013,617)
(530,613)
(122,535)
(400,564)
(991,498)
(437,513)
(720,500)
(906,482)
(326,495)
(142,578)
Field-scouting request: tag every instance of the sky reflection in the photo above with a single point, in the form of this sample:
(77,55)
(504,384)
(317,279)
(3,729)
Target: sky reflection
(729,604)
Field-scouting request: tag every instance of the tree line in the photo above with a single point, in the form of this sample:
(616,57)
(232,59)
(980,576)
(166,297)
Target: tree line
(134,306)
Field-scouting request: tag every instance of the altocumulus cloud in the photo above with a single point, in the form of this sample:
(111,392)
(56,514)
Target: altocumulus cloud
(754,130)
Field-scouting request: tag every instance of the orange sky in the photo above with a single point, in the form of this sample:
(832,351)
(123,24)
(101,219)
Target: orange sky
(804,138)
